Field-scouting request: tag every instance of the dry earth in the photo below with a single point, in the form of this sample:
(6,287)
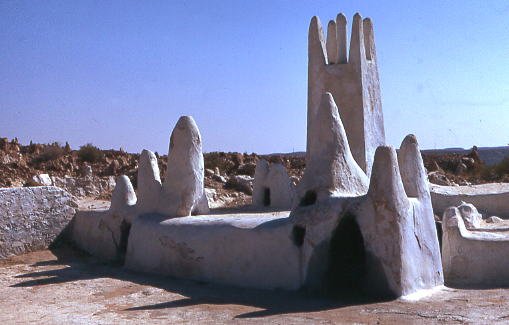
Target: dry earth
(64,286)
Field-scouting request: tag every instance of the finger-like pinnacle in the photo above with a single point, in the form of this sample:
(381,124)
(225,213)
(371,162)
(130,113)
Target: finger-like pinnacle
(316,43)
(412,170)
(357,49)
(369,40)
(332,48)
(341,38)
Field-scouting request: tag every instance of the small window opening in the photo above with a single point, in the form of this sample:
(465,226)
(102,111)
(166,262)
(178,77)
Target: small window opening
(308,199)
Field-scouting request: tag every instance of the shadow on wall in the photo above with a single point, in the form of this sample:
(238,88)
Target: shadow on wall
(77,266)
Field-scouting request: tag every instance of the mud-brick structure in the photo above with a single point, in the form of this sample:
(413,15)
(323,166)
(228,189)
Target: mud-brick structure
(361,218)
(377,238)
(474,254)
(106,233)
(351,78)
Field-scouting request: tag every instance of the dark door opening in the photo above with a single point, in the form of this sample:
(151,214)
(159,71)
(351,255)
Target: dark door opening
(125,228)
(298,234)
(353,273)
(347,260)
(438,225)
(266,197)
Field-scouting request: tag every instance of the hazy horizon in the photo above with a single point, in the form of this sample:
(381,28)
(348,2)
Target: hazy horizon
(119,74)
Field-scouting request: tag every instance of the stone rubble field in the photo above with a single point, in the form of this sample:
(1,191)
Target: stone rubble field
(228,176)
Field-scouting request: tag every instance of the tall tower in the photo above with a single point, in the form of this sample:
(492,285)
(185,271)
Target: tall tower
(351,78)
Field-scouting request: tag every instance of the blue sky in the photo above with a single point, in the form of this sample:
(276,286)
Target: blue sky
(119,74)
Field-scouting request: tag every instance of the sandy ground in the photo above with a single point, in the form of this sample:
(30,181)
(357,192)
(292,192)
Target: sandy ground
(64,286)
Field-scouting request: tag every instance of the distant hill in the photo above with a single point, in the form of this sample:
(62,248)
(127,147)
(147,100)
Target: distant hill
(489,155)
(296,154)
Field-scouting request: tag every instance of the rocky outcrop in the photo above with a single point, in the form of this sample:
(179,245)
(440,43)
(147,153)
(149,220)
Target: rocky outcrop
(32,218)
(80,187)
(43,179)
(241,183)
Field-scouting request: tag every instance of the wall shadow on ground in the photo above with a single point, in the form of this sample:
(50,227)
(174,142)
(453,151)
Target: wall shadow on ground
(74,265)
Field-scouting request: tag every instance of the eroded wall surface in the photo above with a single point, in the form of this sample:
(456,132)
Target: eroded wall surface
(31,218)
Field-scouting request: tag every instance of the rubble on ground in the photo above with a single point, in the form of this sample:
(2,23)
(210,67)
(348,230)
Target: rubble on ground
(229,174)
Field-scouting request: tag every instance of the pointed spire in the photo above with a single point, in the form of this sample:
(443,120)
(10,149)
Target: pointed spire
(330,166)
(316,45)
(412,169)
(317,60)
(341,38)
(369,39)
(357,49)
(332,43)
(123,194)
(386,186)
(149,183)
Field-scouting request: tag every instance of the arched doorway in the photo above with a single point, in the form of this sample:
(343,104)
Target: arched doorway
(347,260)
